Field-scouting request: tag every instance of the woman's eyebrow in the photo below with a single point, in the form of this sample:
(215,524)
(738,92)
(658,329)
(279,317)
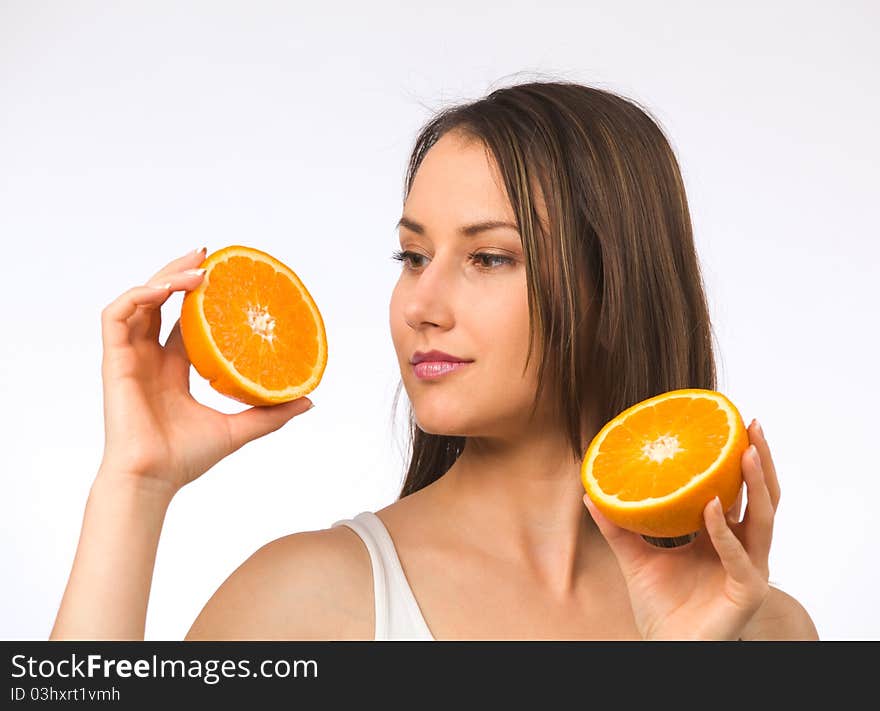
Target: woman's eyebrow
(466,230)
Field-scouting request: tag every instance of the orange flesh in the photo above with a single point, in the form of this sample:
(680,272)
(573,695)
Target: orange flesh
(682,438)
(284,349)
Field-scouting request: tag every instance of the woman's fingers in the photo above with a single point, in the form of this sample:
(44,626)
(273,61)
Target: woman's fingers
(178,265)
(734,513)
(629,548)
(756,436)
(150,326)
(260,420)
(733,555)
(175,352)
(115,325)
(147,322)
(758,519)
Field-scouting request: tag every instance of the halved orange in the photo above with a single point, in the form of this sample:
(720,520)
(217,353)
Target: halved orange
(252,329)
(653,468)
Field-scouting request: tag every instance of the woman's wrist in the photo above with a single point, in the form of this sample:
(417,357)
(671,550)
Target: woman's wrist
(116,482)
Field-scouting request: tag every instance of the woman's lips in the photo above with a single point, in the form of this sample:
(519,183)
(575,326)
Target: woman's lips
(430,369)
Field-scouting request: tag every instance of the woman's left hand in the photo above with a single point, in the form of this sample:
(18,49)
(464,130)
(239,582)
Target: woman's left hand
(711,587)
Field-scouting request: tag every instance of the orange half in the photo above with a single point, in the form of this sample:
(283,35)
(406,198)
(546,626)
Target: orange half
(252,329)
(653,468)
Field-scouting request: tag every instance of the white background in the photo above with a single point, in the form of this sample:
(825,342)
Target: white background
(131,133)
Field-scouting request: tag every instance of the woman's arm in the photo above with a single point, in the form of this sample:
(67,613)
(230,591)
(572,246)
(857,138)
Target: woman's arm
(109,585)
(157,439)
(312,585)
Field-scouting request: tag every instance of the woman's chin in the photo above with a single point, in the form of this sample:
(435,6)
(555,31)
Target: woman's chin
(440,424)
(445,431)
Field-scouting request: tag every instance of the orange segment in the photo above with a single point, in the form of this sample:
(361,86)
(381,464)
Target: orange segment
(252,329)
(654,467)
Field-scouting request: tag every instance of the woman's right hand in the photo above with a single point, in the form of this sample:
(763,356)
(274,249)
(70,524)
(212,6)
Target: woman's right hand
(154,429)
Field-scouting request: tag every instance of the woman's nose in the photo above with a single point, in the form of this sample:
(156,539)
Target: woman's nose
(430,296)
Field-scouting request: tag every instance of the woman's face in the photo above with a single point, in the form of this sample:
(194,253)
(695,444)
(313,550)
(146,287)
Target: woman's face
(472,307)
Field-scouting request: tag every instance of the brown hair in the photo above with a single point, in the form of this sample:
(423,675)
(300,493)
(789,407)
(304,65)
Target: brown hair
(615,293)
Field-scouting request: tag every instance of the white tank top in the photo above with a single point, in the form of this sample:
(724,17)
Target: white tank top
(398,616)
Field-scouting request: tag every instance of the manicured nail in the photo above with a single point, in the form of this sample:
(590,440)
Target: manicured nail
(753,452)
(160,286)
(195,272)
(759,428)
(200,249)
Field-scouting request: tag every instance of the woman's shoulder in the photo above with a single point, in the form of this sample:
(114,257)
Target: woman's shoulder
(780,617)
(310,585)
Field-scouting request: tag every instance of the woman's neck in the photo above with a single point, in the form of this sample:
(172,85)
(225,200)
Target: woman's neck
(522,501)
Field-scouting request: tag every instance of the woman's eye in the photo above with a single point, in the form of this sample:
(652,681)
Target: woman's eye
(483,260)
(405,256)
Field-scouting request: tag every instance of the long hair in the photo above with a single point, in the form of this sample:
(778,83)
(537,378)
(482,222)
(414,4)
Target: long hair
(615,294)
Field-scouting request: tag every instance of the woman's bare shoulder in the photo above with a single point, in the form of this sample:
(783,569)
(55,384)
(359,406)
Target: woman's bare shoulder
(311,585)
(781,617)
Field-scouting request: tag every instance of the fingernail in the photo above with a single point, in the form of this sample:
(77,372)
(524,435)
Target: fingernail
(200,249)
(758,427)
(160,286)
(753,452)
(195,272)
(310,407)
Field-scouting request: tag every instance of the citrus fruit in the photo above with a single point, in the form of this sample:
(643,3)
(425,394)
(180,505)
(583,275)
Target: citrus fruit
(252,329)
(653,468)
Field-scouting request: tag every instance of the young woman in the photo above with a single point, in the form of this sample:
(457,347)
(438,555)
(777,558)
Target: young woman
(546,248)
